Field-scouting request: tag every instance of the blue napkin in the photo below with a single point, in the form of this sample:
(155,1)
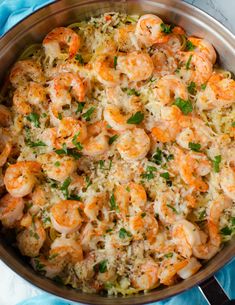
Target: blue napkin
(11,12)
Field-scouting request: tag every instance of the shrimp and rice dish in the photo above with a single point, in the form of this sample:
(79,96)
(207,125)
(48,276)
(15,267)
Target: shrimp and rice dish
(117,160)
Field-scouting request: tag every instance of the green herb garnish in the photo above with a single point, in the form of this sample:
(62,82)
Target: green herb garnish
(165,175)
(88,113)
(189,46)
(103,266)
(136,118)
(65,186)
(112,139)
(34,118)
(123,233)
(194,146)
(167,28)
(80,107)
(115,62)
(131,91)
(172,208)
(185,106)
(192,88)
(79,58)
(76,143)
(113,204)
(187,66)
(216,163)
(203,86)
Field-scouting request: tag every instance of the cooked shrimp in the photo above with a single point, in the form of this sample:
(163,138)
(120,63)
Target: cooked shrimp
(227,181)
(168,212)
(185,236)
(67,248)
(117,116)
(133,144)
(5,146)
(104,70)
(93,205)
(66,86)
(70,131)
(148,29)
(97,142)
(194,131)
(137,66)
(196,68)
(57,167)
(169,269)
(143,224)
(24,71)
(145,275)
(169,88)
(130,196)
(59,38)
(20,177)
(31,239)
(65,216)
(49,267)
(38,196)
(219,93)
(164,62)
(190,269)
(5,116)
(205,47)
(11,210)
(124,36)
(205,251)
(215,210)
(32,94)
(192,166)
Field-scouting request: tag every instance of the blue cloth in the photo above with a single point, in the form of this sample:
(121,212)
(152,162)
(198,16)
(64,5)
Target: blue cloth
(11,12)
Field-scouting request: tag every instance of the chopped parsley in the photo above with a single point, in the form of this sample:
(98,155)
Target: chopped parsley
(123,233)
(115,62)
(149,175)
(157,157)
(202,215)
(80,107)
(192,88)
(165,175)
(34,118)
(203,86)
(113,204)
(168,255)
(101,164)
(112,139)
(143,215)
(172,208)
(226,231)
(38,265)
(167,28)
(185,106)
(69,152)
(131,91)
(88,113)
(103,266)
(216,163)
(194,146)
(79,58)
(57,163)
(189,46)
(60,117)
(65,186)
(88,181)
(136,118)
(76,143)
(233,124)
(187,65)
(30,143)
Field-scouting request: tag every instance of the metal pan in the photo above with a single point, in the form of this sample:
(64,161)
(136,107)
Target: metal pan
(33,29)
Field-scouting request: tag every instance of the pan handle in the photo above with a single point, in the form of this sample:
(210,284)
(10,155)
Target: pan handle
(214,293)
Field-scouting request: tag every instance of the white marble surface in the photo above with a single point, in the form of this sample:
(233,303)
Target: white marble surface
(13,289)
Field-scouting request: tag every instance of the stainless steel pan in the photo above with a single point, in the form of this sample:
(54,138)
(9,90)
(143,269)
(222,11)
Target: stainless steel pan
(33,29)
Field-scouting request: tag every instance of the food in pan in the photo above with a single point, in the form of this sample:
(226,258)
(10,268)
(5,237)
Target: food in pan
(117,154)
